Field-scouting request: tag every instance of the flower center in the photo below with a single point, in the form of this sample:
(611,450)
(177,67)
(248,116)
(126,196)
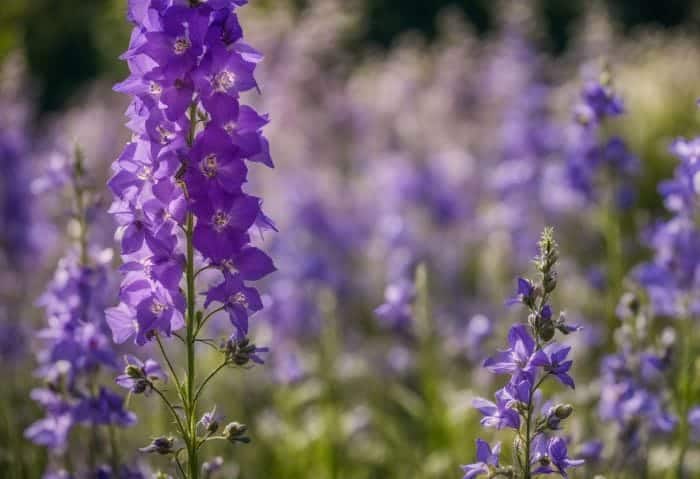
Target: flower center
(230,127)
(209,165)
(166,136)
(220,220)
(145,173)
(148,268)
(155,89)
(224,80)
(239,298)
(157,308)
(181,45)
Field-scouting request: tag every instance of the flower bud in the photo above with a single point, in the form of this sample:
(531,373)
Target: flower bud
(140,386)
(549,282)
(240,350)
(133,371)
(160,445)
(562,411)
(546,330)
(212,466)
(235,432)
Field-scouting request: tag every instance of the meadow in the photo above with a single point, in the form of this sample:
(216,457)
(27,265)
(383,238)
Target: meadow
(251,246)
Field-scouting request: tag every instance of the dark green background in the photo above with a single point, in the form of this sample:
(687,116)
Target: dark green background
(69,42)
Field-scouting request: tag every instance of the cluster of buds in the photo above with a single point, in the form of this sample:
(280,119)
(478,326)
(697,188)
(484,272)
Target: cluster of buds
(240,351)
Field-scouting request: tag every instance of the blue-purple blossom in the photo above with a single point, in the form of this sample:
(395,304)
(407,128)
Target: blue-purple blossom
(518,358)
(552,359)
(75,346)
(551,456)
(499,414)
(139,376)
(694,422)
(189,66)
(487,458)
(591,159)
(531,358)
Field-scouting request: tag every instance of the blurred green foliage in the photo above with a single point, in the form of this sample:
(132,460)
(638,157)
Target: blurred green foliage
(70,42)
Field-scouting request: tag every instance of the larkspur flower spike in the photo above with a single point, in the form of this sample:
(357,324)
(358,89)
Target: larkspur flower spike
(76,347)
(531,358)
(182,206)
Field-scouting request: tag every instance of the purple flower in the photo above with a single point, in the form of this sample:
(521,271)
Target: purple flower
(210,421)
(104,409)
(51,432)
(550,456)
(188,65)
(531,358)
(525,292)
(552,359)
(397,308)
(589,156)
(217,167)
(694,422)
(224,222)
(486,457)
(598,102)
(238,300)
(139,376)
(499,415)
(518,357)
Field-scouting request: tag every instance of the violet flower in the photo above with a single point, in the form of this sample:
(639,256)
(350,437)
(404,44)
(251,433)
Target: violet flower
(530,360)
(180,194)
(75,345)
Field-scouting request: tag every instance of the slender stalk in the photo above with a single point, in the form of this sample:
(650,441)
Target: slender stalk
(528,440)
(172,409)
(206,318)
(615,262)
(170,367)
(190,409)
(209,378)
(685,392)
(114,449)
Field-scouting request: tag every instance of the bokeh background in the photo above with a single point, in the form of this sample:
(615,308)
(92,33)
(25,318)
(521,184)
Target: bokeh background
(428,132)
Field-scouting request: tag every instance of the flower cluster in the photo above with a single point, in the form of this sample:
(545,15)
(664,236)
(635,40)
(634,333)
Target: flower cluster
(185,168)
(671,278)
(75,345)
(635,393)
(532,357)
(180,200)
(588,155)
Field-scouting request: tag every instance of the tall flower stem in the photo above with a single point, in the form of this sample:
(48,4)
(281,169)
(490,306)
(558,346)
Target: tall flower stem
(685,391)
(192,328)
(613,247)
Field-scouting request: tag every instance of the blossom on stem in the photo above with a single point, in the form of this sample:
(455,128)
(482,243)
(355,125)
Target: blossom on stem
(531,358)
(189,154)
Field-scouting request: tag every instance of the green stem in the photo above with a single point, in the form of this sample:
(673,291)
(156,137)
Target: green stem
(615,274)
(528,440)
(114,449)
(193,463)
(207,379)
(173,411)
(206,318)
(176,379)
(191,320)
(685,392)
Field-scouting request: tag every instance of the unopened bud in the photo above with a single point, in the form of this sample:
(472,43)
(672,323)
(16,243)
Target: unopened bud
(160,445)
(235,432)
(546,330)
(562,411)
